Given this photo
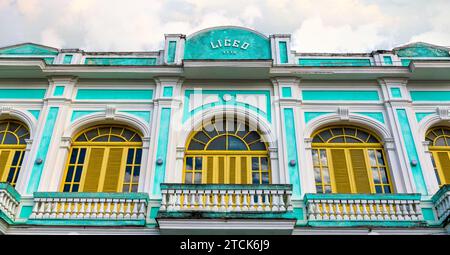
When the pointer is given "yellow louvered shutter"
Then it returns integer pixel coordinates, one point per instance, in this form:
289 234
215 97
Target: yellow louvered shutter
4 156
94 168
340 170
359 168
233 170
210 170
244 170
444 162
221 165
112 172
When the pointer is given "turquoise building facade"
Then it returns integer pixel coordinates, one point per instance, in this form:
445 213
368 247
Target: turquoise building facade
225 131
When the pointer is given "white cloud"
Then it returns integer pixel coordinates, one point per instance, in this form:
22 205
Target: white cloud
316 25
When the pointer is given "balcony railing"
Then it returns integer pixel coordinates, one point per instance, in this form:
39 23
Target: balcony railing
9 201
441 202
89 206
363 207
225 198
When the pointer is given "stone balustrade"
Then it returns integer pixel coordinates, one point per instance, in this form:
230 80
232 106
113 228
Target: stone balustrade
9 201
441 202
362 207
99 206
226 198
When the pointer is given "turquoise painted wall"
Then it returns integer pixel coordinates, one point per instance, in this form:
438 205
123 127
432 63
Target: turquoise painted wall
213 44
336 95
333 62
28 49
114 94
311 115
167 91
67 59
47 135
286 92
396 93
145 115
121 61
35 113
22 93
291 144
161 152
76 114
430 95
421 115
387 60
374 115
59 91
411 151
221 102
171 51
283 52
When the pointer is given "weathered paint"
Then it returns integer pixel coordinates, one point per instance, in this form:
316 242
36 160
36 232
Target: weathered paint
290 131
340 95
161 152
114 94
22 93
47 135
411 151
422 50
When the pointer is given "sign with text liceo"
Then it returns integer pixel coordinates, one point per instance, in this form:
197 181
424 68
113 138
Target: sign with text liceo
227 43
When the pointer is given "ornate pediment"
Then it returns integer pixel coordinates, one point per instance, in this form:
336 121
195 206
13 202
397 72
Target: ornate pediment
421 49
28 49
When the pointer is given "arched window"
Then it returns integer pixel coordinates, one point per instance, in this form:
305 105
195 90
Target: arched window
439 139
104 159
226 152
349 160
12 149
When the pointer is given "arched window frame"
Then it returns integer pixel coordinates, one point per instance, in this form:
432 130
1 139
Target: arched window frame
12 154
440 153
256 157
371 146
82 141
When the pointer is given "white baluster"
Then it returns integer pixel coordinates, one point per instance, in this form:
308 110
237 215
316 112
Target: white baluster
142 209
338 210
245 202
344 210
87 212
215 200
163 200
82 210
135 203
128 203
230 200
331 211
365 212
237 200
222 200
208 200
351 209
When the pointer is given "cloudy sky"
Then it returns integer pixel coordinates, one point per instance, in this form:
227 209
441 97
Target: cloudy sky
135 25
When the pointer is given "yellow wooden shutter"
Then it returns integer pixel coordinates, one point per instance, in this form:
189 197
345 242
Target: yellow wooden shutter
244 170
444 162
233 170
94 167
4 156
210 170
359 168
221 165
340 170
113 168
